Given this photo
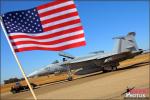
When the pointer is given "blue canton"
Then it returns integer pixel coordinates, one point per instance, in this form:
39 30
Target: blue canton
25 21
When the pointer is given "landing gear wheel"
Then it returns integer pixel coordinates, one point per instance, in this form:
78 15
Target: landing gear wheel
114 68
104 71
14 91
70 78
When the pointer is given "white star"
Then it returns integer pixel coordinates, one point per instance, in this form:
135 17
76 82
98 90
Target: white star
13 16
26 14
20 15
20 28
28 11
16 13
27 19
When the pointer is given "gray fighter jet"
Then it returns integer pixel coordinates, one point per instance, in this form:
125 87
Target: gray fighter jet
126 47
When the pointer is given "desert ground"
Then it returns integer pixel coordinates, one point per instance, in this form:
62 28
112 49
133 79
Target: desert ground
131 73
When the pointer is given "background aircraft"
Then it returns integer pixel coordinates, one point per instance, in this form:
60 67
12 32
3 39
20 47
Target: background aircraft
126 47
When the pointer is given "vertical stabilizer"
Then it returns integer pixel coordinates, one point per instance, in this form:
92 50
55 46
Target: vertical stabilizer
126 43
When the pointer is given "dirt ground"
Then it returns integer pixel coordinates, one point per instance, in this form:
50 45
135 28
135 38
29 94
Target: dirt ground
131 73
109 86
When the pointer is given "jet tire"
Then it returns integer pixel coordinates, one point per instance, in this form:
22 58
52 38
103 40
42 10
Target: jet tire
70 78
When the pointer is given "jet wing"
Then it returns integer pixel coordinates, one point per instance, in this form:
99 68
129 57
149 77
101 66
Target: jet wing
96 60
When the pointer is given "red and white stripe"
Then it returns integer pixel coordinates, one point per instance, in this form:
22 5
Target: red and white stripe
62 29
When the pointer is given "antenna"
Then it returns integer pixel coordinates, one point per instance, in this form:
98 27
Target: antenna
64 54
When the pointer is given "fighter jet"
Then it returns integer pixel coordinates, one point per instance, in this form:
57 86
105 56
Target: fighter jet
126 48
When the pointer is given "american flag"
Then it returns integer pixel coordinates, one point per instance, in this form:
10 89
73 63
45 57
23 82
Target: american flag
53 26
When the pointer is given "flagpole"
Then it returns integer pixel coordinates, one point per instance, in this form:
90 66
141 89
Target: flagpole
16 58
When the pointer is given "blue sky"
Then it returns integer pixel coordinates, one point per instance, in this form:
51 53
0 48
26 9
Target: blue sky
102 20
